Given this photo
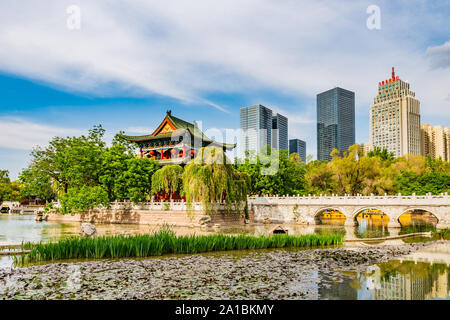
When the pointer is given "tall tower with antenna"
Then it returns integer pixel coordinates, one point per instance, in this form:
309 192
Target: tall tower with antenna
395 118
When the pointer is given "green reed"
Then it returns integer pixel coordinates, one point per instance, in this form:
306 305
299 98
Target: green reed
164 242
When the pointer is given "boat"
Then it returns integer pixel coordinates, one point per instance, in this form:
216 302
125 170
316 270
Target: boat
4 209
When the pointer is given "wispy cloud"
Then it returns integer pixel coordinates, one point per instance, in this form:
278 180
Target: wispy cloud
191 49
439 55
22 134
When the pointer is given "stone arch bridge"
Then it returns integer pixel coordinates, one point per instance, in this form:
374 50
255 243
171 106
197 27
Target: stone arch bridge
304 209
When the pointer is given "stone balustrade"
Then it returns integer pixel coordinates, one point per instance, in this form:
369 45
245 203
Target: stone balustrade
305 209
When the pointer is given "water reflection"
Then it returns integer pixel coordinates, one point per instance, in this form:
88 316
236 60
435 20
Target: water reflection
420 276
417 218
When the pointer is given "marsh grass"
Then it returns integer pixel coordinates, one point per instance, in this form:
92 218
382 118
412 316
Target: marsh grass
162 242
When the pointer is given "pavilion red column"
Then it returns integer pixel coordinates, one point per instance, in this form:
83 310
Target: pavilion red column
141 153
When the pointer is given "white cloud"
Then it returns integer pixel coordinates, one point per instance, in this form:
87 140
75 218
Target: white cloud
189 49
21 134
439 55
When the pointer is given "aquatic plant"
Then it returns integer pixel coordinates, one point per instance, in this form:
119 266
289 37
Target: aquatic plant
162 242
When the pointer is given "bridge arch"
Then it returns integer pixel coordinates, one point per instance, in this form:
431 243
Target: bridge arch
424 209
331 212
321 209
356 212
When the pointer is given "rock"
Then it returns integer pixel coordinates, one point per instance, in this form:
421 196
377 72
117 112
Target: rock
267 221
204 220
88 230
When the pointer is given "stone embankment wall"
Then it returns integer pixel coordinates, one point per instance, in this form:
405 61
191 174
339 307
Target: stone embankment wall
175 213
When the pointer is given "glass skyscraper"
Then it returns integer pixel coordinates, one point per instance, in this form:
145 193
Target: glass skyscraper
298 146
280 132
335 121
256 126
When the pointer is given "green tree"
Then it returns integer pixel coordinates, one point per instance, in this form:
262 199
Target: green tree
83 199
433 182
274 172
212 179
36 183
5 186
135 183
168 179
382 153
319 177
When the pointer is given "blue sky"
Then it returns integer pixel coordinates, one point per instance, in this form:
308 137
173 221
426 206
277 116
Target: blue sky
131 61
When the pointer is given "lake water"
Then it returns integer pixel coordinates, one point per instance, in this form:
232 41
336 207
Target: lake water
423 275
15 229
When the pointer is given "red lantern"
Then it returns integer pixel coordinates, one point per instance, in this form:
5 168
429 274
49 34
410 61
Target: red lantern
152 153
173 151
192 152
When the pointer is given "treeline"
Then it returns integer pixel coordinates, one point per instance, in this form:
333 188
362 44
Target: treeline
9 190
351 173
83 172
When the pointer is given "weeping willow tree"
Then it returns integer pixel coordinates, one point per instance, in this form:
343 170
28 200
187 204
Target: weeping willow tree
168 179
212 179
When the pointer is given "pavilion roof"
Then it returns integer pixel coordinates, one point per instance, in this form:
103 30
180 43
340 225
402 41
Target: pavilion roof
179 127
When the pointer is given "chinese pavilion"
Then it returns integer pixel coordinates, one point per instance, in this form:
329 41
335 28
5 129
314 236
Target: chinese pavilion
175 141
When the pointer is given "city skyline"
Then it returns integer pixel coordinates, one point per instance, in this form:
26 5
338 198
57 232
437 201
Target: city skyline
166 65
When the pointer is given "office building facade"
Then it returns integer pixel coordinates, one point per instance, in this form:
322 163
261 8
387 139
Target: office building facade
298 146
256 128
395 118
280 132
335 121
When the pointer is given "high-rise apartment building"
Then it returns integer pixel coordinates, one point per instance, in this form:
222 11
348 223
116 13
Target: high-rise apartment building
256 126
298 146
435 141
395 118
365 148
280 132
335 121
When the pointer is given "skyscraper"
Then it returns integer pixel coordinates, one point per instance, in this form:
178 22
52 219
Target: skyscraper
335 121
395 118
280 132
298 146
434 141
256 126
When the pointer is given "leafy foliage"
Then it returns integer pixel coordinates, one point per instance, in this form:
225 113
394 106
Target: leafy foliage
168 179
83 199
9 190
82 167
211 178
274 172
5 186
